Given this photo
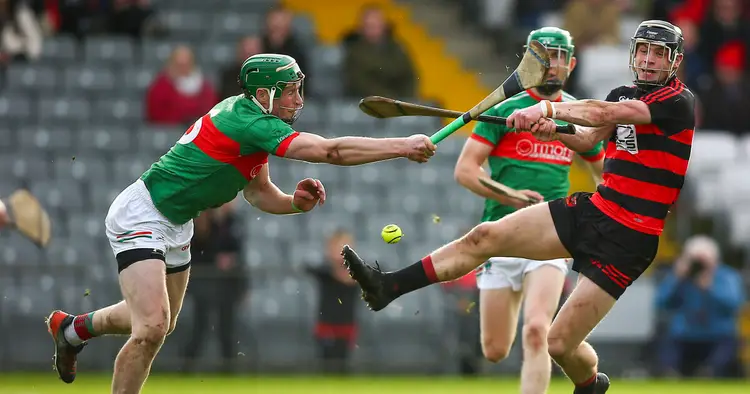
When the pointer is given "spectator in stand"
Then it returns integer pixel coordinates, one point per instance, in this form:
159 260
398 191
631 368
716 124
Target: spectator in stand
75 17
278 37
726 22
725 101
702 297
248 46
463 309
134 18
20 32
375 63
219 283
591 23
180 93
336 326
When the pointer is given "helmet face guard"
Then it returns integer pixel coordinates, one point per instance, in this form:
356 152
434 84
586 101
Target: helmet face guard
650 34
561 42
554 85
272 73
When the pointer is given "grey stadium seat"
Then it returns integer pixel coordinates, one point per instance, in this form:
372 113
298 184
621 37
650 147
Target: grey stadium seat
117 50
25 77
59 50
90 79
66 196
64 108
106 138
185 24
231 25
119 110
39 138
14 107
84 168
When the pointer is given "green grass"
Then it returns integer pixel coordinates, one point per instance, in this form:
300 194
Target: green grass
178 384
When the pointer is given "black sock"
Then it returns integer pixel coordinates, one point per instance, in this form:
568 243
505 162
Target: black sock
416 276
586 387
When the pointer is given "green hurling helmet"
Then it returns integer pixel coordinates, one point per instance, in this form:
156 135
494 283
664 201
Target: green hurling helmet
554 38
272 72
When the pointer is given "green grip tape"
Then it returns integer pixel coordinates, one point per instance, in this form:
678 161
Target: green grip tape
447 130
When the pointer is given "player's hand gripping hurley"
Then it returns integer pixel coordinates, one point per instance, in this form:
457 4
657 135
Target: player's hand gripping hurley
531 72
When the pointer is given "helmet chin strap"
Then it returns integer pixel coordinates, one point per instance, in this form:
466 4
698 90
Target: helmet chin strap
265 110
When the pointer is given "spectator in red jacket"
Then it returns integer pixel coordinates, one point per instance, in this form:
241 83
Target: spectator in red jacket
180 93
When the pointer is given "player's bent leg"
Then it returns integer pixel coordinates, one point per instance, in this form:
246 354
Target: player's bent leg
499 282
542 288
499 304
115 319
528 233
144 287
498 315
587 305
177 282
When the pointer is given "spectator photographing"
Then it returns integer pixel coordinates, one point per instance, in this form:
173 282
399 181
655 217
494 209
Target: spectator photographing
703 297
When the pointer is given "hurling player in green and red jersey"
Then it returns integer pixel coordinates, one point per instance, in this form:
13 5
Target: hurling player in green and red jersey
150 224
539 170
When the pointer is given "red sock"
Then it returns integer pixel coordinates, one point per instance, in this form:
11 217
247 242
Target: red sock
416 276
84 326
589 382
429 269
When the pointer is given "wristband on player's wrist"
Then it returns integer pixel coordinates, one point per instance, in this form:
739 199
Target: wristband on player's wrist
548 109
295 209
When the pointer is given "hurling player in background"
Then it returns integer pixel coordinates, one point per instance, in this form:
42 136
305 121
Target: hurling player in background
539 170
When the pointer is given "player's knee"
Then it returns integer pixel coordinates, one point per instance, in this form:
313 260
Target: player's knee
151 332
493 350
480 240
535 335
556 347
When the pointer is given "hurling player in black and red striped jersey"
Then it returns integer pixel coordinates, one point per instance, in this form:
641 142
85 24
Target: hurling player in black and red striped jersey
612 234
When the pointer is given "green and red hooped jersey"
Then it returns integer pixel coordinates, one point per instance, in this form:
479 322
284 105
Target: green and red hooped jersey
216 158
520 161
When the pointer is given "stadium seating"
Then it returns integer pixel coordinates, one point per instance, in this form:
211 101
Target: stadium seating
73 133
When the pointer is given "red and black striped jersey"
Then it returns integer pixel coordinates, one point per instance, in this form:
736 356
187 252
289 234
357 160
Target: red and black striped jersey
645 164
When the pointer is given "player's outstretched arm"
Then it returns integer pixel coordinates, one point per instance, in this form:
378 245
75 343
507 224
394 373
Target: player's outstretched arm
351 151
469 169
266 196
597 113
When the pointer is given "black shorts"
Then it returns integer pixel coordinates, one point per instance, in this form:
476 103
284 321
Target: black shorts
605 251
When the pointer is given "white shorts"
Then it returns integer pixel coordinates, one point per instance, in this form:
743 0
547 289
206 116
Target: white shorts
502 272
138 231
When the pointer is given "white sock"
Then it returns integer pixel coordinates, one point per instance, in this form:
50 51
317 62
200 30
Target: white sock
71 336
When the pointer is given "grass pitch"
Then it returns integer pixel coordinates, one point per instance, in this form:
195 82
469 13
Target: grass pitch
179 384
